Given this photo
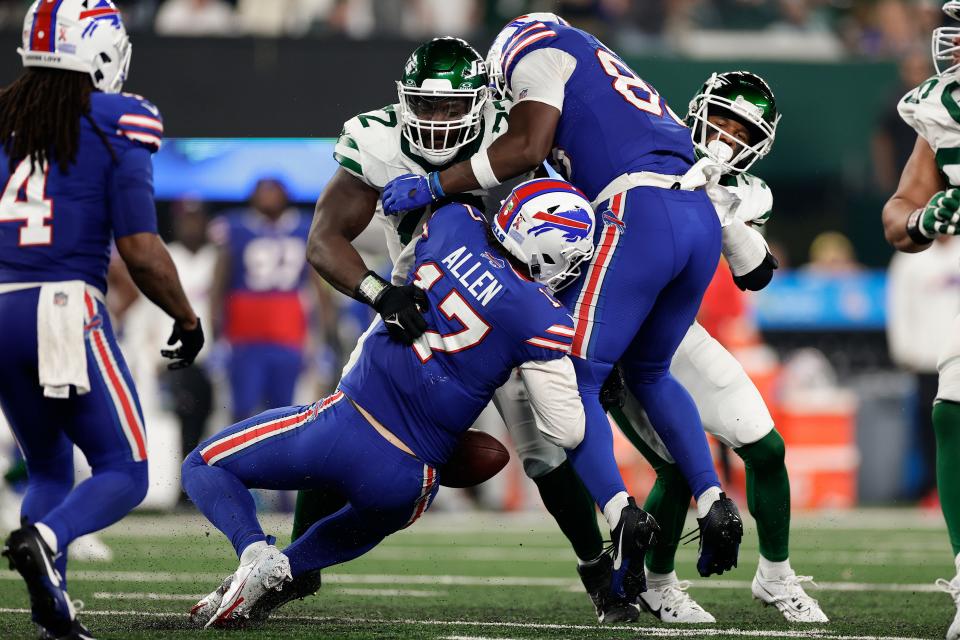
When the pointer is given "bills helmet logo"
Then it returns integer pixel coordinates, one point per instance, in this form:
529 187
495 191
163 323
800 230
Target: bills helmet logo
575 224
610 219
104 11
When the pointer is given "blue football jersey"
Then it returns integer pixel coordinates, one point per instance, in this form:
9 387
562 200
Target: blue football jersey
613 122
268 267
57 226
484 320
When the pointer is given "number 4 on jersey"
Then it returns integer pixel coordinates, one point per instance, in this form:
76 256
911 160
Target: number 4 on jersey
24 200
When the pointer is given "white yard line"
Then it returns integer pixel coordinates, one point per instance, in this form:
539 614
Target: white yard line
660 632
457 580
193 597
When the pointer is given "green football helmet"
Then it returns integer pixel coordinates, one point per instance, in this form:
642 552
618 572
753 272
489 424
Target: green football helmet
442 94
745 97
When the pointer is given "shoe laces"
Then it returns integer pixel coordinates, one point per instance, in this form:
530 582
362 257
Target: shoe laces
675 596
794 589
951 587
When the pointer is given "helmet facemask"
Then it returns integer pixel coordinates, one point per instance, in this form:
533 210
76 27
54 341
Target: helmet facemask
762 132
438 120
945 45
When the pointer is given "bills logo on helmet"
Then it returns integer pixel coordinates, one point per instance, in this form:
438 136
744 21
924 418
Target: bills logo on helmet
575 224
103 12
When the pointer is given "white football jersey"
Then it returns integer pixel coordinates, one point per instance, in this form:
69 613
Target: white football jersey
372 148
753 200
932 109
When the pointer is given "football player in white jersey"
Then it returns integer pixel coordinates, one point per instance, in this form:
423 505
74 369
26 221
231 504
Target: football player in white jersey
443 116
733 120
926 205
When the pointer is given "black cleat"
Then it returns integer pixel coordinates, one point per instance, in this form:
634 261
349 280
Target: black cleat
300 587
720 533
611 608
77 632
33 560
636 532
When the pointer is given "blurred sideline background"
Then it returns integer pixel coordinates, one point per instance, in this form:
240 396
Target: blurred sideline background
254 92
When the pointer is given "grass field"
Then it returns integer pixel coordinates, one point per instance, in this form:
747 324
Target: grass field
492 576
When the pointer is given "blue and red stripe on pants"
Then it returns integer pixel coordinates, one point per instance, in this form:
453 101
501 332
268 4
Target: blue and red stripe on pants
657 250
326 444
106 424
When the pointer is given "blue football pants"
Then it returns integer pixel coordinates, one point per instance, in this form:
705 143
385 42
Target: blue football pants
106 424
327 444
656 252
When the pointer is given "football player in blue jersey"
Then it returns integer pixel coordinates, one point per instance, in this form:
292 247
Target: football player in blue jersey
611 134
400 409
76 170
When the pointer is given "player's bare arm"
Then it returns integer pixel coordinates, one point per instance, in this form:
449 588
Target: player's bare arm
919 182
344 210
156 276
523 148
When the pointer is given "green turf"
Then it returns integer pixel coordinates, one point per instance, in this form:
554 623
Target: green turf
440 568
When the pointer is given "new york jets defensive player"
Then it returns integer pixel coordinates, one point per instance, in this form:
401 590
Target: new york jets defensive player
733 120
926 205
443 116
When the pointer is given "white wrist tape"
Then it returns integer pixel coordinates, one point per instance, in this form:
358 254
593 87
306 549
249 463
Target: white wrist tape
743 247
480 163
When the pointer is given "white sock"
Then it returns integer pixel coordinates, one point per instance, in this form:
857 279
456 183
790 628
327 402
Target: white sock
251 551
611 510
706 500
774 570
48 536
657 580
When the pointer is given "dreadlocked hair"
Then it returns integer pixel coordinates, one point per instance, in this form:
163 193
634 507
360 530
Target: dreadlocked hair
40 116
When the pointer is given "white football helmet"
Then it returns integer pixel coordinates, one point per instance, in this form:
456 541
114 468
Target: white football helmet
946 42
78 35
548 225
495 55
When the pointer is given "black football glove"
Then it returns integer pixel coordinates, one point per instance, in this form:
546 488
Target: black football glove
401 308
191 341
613 393
760 276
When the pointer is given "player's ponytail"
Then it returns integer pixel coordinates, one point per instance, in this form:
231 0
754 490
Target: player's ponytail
40 116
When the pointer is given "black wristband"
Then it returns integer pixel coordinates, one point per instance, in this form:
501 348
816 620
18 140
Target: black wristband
913 229
371 288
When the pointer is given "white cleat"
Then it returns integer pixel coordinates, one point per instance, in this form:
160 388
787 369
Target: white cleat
788 596
267 572
202 612
953 588
673 605
90 548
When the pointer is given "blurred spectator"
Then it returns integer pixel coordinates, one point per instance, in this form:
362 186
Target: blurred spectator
429 18
831 253
279 17
923 297
255 298
196 18
195 257
894 139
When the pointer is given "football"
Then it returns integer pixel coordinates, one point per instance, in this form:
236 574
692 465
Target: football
477 457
